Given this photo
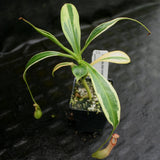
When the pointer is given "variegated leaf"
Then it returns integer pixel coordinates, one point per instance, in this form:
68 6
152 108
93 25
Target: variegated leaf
79 71
105 26
70 26
48 35
107 96
60 65
118 57
39 57
43 55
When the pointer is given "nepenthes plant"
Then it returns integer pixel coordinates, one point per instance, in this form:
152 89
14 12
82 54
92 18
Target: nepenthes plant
81 69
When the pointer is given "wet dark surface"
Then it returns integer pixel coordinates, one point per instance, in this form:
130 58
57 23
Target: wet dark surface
137 84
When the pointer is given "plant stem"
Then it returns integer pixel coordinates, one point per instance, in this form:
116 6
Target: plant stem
106 140
24 77
86 87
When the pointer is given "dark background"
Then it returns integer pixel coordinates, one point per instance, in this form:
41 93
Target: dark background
45 14
137 84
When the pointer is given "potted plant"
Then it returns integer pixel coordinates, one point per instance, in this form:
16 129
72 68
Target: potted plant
106 94
85 114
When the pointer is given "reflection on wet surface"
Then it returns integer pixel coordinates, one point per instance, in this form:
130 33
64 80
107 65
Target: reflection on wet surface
137 84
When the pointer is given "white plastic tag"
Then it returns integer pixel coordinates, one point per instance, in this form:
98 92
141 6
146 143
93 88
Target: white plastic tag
101 67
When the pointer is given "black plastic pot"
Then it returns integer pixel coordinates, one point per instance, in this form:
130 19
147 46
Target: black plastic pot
84 120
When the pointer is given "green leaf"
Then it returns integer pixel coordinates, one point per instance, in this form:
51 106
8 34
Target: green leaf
105 26
43 55
39 57
48 35
70 26
107 96
79 71
63 64
118 57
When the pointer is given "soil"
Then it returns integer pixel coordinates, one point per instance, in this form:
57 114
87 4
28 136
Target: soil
80 101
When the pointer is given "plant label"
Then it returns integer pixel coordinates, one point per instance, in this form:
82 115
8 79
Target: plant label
101 67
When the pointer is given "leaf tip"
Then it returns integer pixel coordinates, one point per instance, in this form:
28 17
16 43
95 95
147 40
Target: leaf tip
53 74
20 18
149 33
23 19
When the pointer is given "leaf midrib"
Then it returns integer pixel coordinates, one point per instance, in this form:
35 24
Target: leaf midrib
107 97
72 26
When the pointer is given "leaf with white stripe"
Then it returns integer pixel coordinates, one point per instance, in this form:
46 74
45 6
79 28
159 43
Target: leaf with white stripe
105 26
60 65
48 35
118 57
41 56
70 26
37 58
107 96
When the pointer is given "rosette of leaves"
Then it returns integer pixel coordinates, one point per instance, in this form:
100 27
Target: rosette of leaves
70 24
